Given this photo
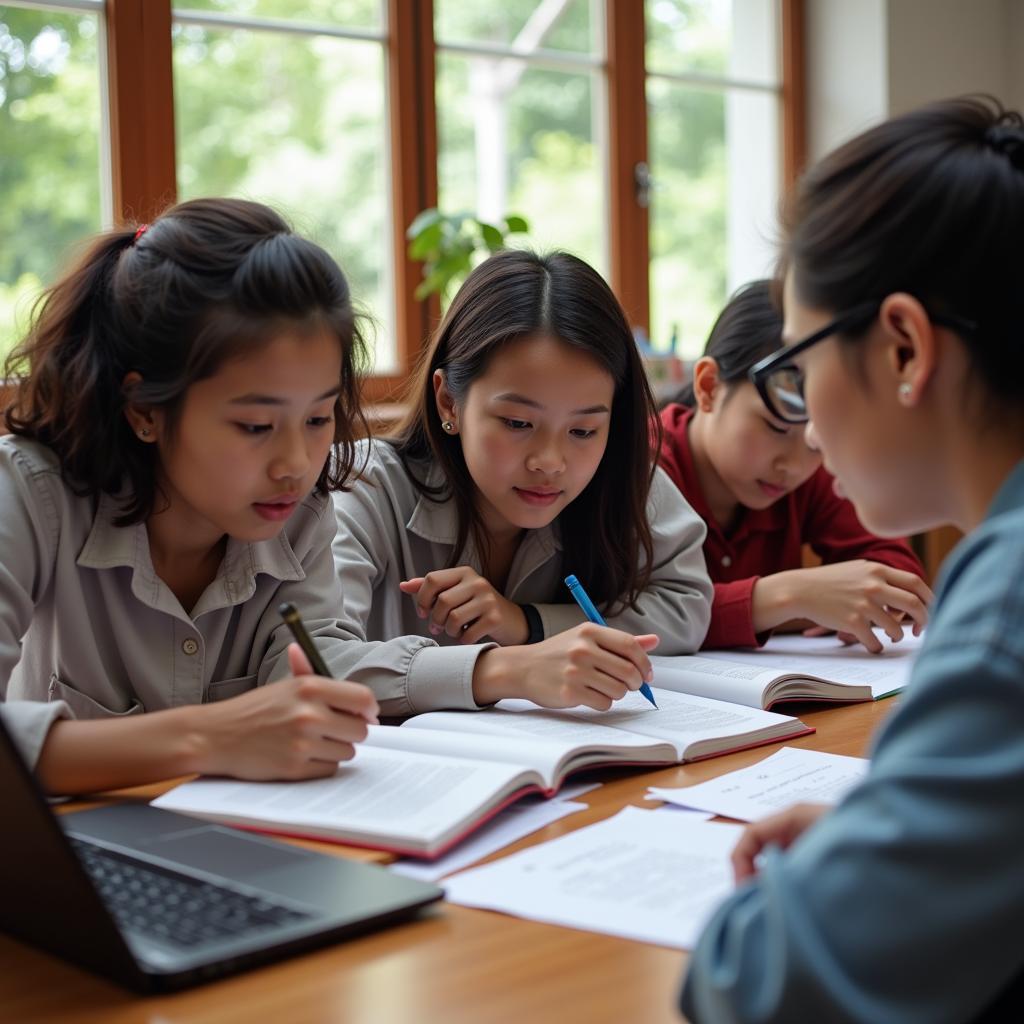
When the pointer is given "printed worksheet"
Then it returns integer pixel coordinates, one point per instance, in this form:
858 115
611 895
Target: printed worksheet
789 776
645 875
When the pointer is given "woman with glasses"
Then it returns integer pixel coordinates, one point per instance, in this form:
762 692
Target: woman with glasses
764 494
903 310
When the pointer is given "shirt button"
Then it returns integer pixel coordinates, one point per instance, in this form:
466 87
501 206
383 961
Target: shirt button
726 561
189 646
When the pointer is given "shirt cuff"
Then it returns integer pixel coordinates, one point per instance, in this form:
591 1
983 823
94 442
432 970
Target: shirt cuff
557 618
442 678
732 616
29 722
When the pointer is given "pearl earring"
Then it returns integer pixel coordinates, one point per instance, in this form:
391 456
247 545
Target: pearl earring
905 391
447 426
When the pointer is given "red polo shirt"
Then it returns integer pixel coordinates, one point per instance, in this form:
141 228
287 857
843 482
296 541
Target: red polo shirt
768 541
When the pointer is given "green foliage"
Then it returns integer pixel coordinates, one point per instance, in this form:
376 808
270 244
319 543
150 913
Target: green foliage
300 122
448 245
49 153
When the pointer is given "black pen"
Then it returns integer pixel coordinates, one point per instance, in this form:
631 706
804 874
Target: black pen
290 614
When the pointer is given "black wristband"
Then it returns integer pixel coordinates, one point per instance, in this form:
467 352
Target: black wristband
534 624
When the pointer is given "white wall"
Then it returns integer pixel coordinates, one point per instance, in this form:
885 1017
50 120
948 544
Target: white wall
867 59
847 70
940 48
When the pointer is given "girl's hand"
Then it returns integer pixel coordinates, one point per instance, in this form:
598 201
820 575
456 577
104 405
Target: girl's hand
778 830
848 597
461 603
298 728
589 665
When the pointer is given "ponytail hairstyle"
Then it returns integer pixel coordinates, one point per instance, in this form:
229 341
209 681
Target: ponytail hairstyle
748 329
209 280
930 203
515 295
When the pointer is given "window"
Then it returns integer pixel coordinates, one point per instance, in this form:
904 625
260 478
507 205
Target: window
293 113
51 161
520 111
714 96
352 116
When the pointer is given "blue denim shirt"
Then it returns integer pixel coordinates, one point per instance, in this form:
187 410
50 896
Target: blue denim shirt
905 903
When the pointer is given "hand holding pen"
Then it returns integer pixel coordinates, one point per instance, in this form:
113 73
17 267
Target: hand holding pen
589 609
590 665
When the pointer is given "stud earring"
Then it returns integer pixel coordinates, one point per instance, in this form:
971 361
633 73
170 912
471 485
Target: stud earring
144 432
447 426
905 391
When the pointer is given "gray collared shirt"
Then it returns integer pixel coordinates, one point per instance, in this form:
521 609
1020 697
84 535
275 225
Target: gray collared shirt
388 532
88 630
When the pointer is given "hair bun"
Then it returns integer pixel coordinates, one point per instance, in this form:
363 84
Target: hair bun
1007 139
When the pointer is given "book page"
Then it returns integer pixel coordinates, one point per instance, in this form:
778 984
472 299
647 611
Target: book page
521 751
789 776
543 736
742 676
829 658
395 796
735 683
680 719
654 876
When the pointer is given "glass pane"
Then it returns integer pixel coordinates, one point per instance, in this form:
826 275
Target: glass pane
361 14
714 159
50 167
733 38
515 139
570 25
297 122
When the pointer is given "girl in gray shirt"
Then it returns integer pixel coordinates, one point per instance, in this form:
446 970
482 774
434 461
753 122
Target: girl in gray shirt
526 457
163 489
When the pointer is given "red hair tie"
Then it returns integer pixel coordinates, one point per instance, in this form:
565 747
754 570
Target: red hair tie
139 232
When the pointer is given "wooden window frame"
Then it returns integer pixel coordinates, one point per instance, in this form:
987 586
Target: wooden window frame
141 104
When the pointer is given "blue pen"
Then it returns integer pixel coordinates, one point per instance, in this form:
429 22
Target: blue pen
583 600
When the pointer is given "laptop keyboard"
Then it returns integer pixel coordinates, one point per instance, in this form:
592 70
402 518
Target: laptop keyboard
175 908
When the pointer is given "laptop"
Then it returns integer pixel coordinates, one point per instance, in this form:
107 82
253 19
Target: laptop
159 901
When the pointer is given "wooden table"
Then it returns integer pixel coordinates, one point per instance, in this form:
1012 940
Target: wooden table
454 966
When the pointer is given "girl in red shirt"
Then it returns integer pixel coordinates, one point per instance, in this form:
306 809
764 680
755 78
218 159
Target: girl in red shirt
764 494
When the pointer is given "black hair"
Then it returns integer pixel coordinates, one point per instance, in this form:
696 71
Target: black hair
748 329
930 203
518 294
172 301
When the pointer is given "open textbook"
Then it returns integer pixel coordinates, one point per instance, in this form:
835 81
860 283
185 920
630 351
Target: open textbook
791 668
420 787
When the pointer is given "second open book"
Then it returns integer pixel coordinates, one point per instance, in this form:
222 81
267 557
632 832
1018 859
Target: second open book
792 668
420 787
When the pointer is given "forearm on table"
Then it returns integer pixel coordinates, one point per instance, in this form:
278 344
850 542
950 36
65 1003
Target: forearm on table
89 756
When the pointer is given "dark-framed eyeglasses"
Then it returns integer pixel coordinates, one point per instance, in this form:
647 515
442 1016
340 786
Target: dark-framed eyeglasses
780 382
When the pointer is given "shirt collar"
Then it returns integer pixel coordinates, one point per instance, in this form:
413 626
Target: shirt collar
1010 495
109 546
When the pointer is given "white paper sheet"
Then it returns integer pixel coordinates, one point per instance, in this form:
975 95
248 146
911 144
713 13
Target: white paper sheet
788 777
644 875
511 824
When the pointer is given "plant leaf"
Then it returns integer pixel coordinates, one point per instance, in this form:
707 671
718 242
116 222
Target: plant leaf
426 242
493 238
424 219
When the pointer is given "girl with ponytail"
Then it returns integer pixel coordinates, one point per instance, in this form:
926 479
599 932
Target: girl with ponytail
164 487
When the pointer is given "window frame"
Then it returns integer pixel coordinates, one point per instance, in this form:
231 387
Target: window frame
140 99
